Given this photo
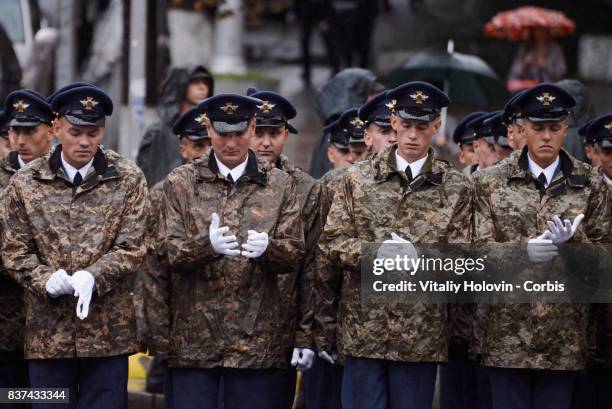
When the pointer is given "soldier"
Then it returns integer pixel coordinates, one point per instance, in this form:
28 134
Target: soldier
271 133
72 234
28 117
513 122
354 127
601 129
232 225
30 122
500 134
378 133
5 146
391 352
154 281
484 142
533 351
463 135
590 145
338 150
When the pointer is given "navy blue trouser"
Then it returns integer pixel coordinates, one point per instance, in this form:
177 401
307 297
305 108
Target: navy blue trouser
383 384
13 374
593 389
531 388
322 385
198 388
94 383
463 383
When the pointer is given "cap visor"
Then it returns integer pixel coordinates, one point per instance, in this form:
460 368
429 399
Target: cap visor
25 123
197 137
224 127
354 141
424 118
538 119
341 146
291 128
606 143
503 142
382 123
75 120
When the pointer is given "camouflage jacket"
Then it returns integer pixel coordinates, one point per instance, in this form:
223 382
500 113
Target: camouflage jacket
11 294
155 279
373 200
297 289
226 311
508 209
98 227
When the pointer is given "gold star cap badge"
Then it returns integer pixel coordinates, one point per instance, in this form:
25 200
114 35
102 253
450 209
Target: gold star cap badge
357 123
229 108
89 103
266 107
419 97
201 119
20 105
545 99
391 105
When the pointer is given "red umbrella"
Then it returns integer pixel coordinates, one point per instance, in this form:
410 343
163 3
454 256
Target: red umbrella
517 24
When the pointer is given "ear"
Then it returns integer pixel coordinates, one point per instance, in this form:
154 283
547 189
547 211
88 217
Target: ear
437 123
183 148
330 154
367 138
394 122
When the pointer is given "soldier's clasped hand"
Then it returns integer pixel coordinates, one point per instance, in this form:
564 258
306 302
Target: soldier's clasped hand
256 244
83 283
59 284
222 244
560 232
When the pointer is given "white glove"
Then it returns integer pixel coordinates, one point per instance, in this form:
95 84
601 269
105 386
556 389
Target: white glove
563 231
59 284
256 244
303 358
541 248
83 283
222 244
396 246
327 357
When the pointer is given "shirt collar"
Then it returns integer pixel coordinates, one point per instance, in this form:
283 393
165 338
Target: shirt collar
549 171
607 180
71 171
21 162
236 173
415 167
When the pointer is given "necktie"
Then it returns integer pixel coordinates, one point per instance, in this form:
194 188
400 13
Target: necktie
78 179
230 178
542 183
409 173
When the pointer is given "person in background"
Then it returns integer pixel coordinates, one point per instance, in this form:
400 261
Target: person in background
354 127
5 145
500 134
463 135
378 133
484 142
183 88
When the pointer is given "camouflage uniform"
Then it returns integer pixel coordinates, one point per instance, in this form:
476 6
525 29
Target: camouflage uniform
299 303
508 209
423 211
11 294
98 227
226 311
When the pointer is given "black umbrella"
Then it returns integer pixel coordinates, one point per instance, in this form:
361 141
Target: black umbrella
467 79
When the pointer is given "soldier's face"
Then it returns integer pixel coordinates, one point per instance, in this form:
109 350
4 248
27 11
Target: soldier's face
5 146
413 136
356 151
467 156
340 158
32 142
516 138
379 137
231 148
197 91
592 154
485 152
605 158
269 142
544 140
79 143
191 150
